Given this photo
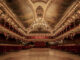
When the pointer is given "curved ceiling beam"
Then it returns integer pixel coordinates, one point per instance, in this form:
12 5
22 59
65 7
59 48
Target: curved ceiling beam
32 7
47 6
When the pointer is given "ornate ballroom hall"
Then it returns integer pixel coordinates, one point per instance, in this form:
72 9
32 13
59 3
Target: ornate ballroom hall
39 29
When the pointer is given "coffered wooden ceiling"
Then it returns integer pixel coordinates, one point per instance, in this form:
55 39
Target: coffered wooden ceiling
25 10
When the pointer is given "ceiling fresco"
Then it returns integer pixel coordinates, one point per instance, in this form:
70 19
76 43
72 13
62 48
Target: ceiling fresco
27 11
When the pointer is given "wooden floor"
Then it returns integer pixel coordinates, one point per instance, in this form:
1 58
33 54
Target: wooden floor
39 54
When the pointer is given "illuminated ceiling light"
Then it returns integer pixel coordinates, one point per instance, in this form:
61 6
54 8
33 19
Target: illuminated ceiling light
39 22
